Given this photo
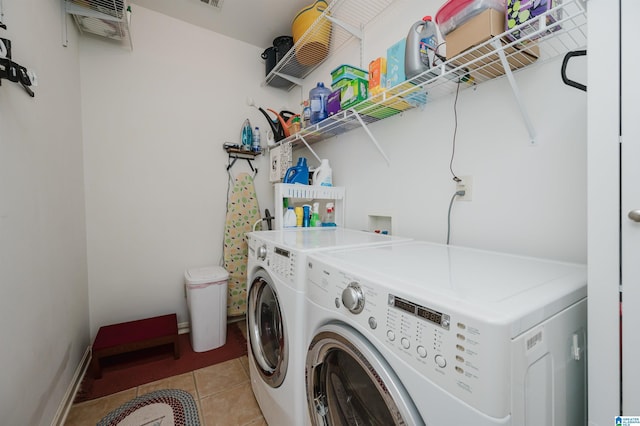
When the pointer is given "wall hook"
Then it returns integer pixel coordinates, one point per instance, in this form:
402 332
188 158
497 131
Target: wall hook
13 71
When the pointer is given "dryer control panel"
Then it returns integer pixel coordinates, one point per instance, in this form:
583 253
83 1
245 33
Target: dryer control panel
286 264
435 337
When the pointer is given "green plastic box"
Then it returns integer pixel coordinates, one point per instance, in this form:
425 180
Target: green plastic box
353 93
348 72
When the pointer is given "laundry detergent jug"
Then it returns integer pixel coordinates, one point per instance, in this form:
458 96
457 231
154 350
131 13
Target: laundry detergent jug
322 175
422 43
298 173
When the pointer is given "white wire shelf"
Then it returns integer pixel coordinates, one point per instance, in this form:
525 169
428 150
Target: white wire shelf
341 20
542 42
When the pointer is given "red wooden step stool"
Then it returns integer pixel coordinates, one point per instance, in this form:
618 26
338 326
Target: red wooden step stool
132 336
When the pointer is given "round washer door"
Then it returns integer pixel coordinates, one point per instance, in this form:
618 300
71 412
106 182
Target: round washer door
266 329
350 383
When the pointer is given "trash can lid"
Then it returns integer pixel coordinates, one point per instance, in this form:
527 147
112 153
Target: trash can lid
208 274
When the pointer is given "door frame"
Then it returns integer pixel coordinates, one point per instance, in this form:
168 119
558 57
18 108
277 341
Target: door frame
603 210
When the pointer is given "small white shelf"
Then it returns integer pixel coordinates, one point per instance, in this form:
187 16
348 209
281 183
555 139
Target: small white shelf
482 63
307 194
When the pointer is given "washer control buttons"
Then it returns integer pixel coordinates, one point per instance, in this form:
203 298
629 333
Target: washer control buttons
391 335
373 323
422 351
441 361
405 343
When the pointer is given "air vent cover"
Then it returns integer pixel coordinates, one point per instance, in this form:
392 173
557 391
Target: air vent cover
105 18
215 3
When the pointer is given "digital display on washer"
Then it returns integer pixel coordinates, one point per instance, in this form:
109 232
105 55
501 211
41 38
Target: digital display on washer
404 305
425 313
281 252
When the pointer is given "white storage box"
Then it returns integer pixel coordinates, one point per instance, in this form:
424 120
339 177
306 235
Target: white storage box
207 302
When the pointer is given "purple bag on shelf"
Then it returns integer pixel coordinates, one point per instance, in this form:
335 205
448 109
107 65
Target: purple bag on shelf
333 103
521 11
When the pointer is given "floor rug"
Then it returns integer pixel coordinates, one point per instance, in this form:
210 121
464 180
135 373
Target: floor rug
126 371
167 407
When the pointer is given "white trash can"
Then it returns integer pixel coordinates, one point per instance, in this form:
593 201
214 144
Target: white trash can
207 302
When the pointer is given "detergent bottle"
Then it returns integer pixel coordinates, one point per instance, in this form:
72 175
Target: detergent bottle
322 175
289 220
298 173
422 42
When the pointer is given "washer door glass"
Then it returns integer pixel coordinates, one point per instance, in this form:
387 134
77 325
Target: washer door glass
349 383
266 330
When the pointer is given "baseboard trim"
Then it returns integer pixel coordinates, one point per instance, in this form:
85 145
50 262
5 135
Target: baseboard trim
63 410
183 327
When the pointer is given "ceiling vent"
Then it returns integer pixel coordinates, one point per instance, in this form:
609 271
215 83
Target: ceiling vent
215 3
105 18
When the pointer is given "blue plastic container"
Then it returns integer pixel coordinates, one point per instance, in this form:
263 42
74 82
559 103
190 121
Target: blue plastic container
318 97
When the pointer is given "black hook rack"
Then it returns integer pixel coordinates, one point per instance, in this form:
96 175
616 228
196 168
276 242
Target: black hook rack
236 154
13 71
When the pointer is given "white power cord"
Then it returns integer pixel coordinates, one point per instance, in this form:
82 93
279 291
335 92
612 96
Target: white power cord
456 194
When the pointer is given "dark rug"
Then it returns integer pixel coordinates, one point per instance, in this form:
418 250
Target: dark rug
164 407
126 371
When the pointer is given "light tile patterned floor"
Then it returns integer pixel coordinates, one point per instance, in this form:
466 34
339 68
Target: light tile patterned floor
222 392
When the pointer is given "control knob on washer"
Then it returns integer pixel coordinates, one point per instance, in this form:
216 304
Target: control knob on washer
353 298
261 253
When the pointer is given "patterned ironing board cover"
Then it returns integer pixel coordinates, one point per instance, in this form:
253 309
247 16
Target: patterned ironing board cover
243 212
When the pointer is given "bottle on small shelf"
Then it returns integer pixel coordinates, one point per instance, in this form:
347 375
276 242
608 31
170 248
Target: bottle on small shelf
289 220
329 218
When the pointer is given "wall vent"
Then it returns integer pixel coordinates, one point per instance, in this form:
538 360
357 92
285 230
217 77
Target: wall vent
215 3
105 18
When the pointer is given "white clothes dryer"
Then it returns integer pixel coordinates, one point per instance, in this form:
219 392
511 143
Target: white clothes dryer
420 333
275 312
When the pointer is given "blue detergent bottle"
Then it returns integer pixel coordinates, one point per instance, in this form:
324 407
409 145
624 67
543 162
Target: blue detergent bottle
298 173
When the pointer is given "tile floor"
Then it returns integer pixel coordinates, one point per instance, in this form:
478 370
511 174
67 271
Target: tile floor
222 392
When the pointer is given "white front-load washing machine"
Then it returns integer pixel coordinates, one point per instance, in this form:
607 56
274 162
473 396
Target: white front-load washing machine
420 333
275 313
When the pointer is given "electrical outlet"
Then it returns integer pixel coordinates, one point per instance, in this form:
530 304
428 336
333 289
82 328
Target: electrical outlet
466 185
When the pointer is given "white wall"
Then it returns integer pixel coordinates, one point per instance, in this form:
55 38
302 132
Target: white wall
43 276
526 199
155 119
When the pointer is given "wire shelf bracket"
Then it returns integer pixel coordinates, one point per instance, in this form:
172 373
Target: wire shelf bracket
516 91
309 148
357 32
294 80
371 137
